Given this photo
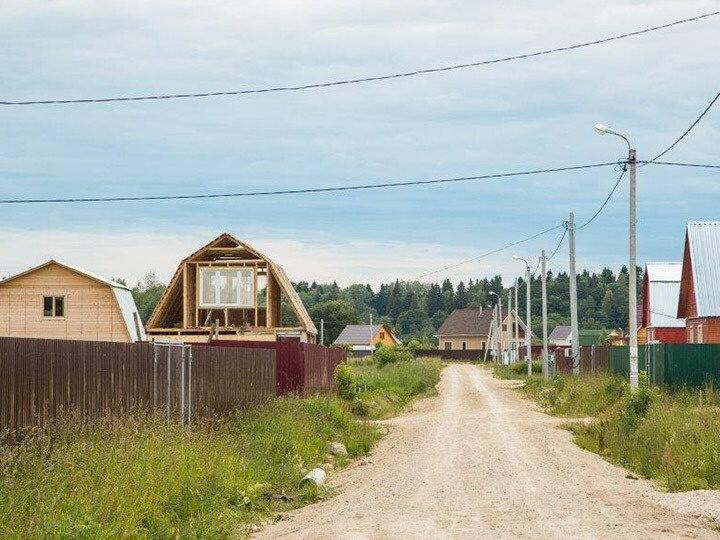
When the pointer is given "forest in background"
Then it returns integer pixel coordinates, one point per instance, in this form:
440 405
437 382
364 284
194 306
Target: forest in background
415 310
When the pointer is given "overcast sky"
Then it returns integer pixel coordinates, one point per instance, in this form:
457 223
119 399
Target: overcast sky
514 116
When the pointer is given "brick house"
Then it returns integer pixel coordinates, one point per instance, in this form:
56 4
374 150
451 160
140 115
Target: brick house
699 299
661 289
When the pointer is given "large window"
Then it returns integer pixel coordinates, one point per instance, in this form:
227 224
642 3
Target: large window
53 306
227 287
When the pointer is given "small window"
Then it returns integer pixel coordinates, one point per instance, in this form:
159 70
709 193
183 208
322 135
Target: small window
699 333
504 327
448 346
53 306
464 345
382 335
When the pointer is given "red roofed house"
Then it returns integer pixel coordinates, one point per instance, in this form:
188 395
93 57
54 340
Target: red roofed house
699 301
661 288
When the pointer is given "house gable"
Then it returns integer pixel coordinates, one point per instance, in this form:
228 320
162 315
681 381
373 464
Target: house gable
179 309
687 305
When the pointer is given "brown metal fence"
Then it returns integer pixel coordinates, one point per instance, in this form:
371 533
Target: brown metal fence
593 359
41 379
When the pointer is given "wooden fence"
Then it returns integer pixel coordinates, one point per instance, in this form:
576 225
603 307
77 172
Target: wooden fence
41 379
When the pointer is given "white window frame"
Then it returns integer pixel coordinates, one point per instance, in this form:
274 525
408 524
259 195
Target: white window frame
240 270
699 333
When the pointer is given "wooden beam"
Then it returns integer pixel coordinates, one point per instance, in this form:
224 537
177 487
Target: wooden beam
185 296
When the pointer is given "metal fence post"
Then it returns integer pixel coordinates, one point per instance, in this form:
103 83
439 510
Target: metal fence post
167 397
189 405
182 387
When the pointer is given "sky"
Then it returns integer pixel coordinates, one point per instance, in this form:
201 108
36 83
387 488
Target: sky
514 116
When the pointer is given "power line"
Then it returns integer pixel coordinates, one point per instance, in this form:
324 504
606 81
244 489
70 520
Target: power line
492 252
304 190
366 79
557 248
688 130
607 199
680 164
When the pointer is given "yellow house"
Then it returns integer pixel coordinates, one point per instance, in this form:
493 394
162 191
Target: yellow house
59 301
363 337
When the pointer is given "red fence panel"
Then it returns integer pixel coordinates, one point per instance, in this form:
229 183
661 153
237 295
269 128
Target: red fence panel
301 367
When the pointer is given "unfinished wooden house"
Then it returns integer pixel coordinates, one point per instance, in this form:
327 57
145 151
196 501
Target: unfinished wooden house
229 290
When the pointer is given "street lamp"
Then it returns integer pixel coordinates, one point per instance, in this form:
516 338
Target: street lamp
528 316
498 315
632 245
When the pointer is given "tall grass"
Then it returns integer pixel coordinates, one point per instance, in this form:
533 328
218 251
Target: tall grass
382 391
141 478
670 436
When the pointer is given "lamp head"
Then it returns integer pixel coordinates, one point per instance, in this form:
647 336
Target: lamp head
602 129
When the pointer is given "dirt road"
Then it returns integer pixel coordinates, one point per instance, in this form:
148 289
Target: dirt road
481 462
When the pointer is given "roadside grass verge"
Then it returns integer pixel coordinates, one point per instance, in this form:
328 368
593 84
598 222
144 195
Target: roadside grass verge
382 391
140 478
671 436
518 370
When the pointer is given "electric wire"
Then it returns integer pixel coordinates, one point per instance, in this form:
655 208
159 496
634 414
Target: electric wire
303 190
559 244
341 82
688 130
491 252
607 199
680 164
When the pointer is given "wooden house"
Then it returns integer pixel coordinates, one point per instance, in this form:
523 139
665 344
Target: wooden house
363 338
229 290
472 328
59 301
699 298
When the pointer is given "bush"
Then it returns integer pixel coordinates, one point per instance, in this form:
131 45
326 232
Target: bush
346 381
389 355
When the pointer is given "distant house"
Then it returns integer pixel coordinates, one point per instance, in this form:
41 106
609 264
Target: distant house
230 290
561 336
699 298
363 338
56 300
661 290
471 328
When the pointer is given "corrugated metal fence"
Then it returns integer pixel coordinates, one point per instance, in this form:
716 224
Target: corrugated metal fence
41 379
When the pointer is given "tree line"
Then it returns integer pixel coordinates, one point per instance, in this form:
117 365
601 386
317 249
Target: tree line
416 310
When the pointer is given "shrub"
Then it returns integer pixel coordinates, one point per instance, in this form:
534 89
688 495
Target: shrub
346 380
389 355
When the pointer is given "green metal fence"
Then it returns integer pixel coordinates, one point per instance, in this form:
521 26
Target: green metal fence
620 360
685 365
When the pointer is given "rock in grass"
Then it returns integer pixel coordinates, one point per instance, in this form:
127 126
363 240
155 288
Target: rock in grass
338 449
316 476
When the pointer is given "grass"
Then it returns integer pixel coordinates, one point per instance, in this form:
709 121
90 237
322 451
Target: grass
670 436
379 392
140 478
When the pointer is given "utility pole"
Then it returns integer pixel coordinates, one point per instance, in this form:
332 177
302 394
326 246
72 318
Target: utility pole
546 358
517 325
322 331
528 331
500 320
632 271
632 245
510 314
371 333
575 334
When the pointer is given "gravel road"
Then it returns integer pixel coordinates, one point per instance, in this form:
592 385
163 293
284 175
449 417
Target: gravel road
480 461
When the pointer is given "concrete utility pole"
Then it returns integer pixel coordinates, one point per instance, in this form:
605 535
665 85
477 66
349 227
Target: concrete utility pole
632 255
528 316
322 331
546 358
516 329
574 332
371 333
510 314
500 319
493 327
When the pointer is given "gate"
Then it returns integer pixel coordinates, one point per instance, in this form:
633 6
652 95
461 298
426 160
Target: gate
172 380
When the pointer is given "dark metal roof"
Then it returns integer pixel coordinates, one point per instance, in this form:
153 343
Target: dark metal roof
358 334
468 322
560 332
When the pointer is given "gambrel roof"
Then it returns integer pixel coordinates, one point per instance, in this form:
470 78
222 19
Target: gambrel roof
173 294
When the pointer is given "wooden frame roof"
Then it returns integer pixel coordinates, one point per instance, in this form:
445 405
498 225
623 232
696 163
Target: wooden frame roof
226 240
